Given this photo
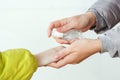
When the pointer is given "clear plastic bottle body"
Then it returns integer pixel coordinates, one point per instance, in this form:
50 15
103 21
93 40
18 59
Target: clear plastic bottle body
69 35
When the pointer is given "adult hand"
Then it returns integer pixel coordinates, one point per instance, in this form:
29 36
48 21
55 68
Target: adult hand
81 22
77 52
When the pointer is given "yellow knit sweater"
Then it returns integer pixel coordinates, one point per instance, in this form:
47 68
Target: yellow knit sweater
17 64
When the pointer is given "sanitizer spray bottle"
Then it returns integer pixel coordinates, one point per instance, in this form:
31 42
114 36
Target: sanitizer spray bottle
69 35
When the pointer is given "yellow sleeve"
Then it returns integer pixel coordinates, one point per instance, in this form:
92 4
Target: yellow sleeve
17 64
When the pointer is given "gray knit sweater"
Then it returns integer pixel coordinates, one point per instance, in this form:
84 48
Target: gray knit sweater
107 16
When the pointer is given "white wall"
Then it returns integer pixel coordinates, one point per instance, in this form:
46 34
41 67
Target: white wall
24 23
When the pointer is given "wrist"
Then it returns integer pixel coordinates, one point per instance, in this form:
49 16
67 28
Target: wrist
92 18
38 59
97 45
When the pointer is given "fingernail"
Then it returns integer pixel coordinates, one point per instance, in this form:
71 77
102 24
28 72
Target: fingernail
57 56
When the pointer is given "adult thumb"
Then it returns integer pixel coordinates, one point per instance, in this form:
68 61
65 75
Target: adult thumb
61 54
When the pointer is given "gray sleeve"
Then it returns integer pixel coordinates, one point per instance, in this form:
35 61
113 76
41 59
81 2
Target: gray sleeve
111 42
107 14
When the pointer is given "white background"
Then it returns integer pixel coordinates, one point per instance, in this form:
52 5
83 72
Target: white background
24 23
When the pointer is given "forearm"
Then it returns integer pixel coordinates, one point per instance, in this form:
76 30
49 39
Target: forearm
107 14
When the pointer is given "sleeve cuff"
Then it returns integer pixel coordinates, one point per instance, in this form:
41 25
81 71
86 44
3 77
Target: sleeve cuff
101 25
108 46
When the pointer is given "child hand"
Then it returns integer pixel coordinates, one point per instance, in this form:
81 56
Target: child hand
47 56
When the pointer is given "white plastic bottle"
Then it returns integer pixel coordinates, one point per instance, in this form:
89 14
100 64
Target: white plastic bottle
69 35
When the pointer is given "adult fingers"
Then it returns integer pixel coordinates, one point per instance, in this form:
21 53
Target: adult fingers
56 24
52 65
65 28
67 60
61 41
53 25
64 52
59 64
73 40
